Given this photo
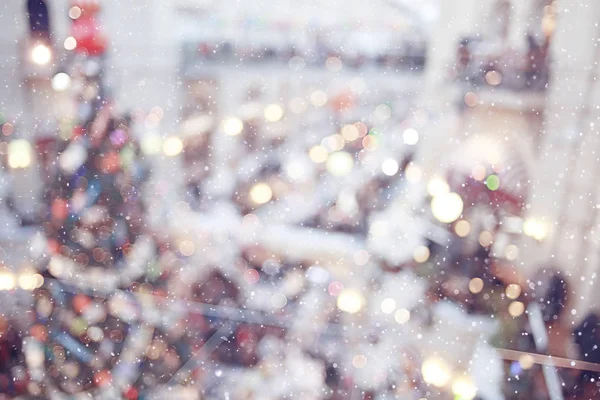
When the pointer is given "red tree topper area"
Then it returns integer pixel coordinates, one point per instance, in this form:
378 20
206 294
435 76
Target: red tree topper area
86 30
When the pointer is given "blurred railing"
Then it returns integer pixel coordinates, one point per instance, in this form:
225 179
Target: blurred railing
482 63
405 56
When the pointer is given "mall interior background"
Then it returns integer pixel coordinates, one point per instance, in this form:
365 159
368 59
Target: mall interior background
482 85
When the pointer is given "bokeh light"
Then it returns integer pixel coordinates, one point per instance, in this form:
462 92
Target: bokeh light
41 54
436 372
492 182
70 43
513 291
535 228
390 167
172 146
318 154
318 98
261 193
516 309
350 301
464 388
410 136
273 112
388 305
402 316
421 254
7 280
475 285
233 126
61 82
493 78
340 163
75 12
151 143
462 228
359 361
447 207
20 153
437 186
350 133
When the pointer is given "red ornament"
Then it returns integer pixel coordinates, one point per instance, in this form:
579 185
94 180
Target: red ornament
89 36
102 378
80 303
60 209
131 393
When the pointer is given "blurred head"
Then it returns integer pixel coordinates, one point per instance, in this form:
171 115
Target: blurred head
551 292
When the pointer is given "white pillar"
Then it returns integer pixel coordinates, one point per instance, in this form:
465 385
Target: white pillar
564 185
521 18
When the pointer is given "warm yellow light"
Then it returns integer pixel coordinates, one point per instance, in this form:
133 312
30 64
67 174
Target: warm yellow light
233 126
447 207
437 186
462 228
273 112
513 291
436 372
486 238
421 254
350 132
388 305
413 173
350 301
475 285
526 361
534 228
19 153
318 154
261 193
172 146
464 388
27 281
39 280
478 172
516 308
511 252
151 143
340 163
41 54
7 281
